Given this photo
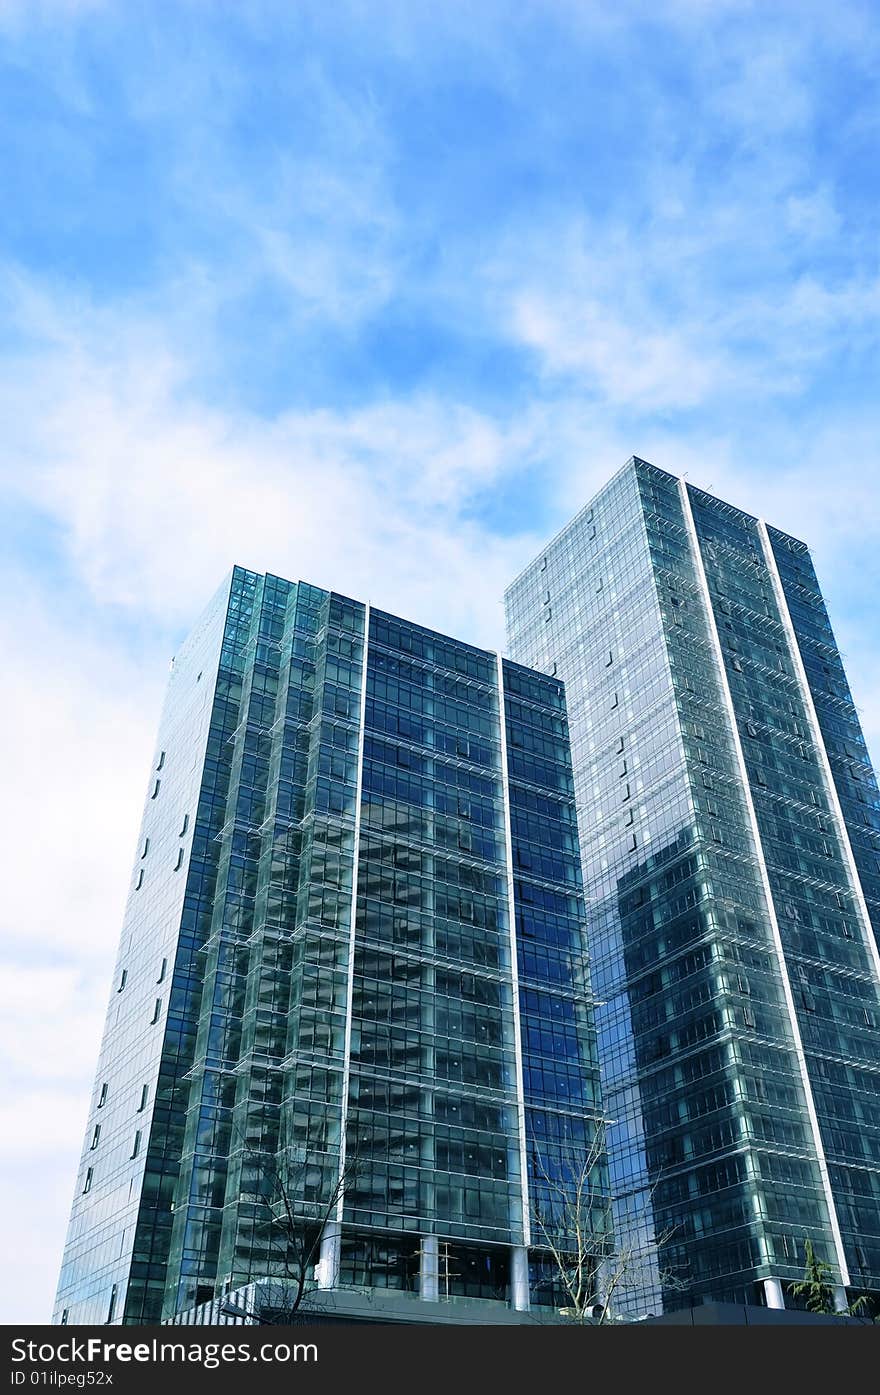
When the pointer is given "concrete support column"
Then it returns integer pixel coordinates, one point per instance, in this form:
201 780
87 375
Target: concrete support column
327 1268
773 1292
429 1269
519 1278
841 1301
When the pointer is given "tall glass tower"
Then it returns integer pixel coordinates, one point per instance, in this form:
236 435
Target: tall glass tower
730 833
355 930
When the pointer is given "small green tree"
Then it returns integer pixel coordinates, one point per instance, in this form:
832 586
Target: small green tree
816 1287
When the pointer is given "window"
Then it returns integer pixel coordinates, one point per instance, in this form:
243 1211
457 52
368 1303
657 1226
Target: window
145 1095
543 566
620 745
610 660
161 761
547 614
123 980
96 1135
136 1146
179 863
87 1184
102 1098
155 789
162 970
140 879
616 702
184 826
157 1011
111 1309
146 847
64 1316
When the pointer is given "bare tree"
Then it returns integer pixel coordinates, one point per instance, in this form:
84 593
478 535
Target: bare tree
296 1194
573 1213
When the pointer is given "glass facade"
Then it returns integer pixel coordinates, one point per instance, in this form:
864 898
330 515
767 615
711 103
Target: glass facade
730 835
370 960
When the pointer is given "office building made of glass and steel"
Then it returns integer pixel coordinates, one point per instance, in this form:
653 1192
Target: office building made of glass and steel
730 833
353 951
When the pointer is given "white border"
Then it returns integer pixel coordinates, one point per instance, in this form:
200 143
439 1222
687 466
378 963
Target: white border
514 966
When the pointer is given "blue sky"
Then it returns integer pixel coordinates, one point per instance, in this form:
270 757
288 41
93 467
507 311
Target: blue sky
378 294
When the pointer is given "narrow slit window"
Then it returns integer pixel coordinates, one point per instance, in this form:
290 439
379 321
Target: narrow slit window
145 1095
102 1098
123 980
162 970
96 1136
87 1183
157 1011
155 789
136 1146
140 879
161 761
179 863
184 826
146 847
111 1307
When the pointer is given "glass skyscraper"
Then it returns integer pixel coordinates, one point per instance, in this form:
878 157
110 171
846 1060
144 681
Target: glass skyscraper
355 931
730 834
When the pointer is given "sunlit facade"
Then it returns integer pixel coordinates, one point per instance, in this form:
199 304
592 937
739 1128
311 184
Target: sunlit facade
730 833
